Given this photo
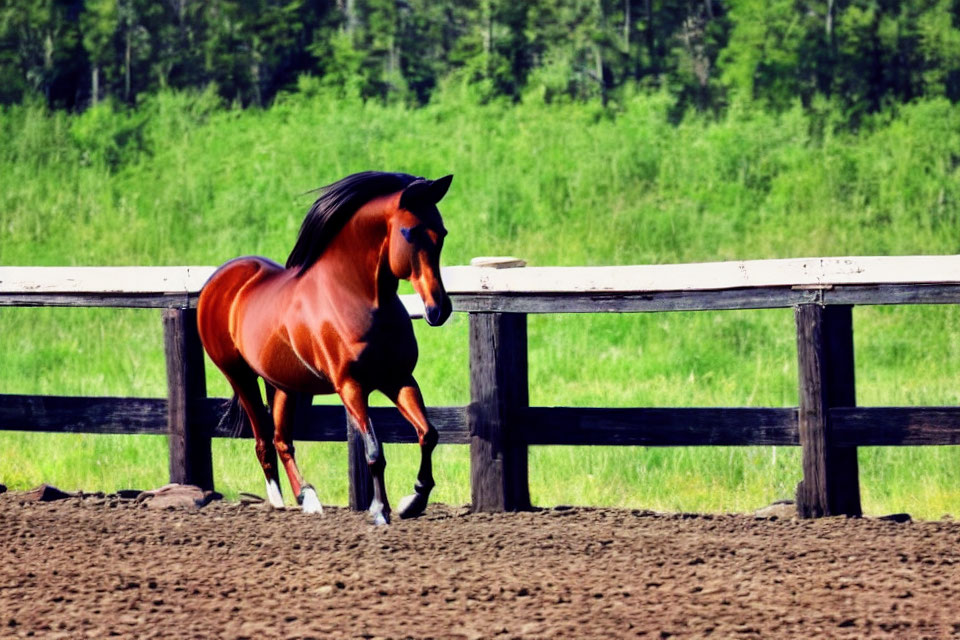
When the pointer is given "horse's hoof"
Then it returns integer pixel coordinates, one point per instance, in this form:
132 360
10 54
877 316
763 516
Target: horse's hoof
412 506
273 494
381 518
310 501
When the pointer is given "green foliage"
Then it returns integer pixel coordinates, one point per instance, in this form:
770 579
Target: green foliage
345 76
938 42
106 137
866 54
761 58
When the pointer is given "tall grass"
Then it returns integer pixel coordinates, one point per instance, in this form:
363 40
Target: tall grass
183 180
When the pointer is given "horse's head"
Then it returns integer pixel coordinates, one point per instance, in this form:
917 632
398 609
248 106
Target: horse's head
415 240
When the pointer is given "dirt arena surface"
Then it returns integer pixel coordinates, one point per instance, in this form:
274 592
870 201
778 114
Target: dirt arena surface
98 567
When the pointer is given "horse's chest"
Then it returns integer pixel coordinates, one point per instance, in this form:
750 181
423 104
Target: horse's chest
386 351
392 344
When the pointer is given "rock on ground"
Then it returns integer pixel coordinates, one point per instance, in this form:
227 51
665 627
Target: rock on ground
177 496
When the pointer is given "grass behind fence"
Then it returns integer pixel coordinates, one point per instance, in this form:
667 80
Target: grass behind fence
183 181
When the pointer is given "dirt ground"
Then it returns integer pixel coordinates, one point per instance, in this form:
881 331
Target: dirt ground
98 567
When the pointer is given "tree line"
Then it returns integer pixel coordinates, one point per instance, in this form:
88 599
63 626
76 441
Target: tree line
860 55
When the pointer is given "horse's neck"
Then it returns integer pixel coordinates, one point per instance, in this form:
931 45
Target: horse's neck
357 255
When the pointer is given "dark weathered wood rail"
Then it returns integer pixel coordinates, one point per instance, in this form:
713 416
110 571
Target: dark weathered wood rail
498 424
701 426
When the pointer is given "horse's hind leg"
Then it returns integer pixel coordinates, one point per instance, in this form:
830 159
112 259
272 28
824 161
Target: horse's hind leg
248 392
410 403
286 409
355 400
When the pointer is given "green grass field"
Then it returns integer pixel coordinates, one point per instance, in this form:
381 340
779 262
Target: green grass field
185 181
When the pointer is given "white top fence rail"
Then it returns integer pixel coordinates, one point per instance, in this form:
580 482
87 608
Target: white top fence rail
762 283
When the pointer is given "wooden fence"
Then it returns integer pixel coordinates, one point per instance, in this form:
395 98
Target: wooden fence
499 424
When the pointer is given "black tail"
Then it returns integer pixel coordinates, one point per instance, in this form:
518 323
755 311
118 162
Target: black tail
235 422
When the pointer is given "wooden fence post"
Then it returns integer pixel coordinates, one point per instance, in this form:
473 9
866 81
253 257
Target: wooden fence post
189 438
830 484
360 480
498 390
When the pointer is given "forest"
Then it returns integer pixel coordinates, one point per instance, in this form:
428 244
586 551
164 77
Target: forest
853 56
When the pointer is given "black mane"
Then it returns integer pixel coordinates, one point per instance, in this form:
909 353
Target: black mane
335 206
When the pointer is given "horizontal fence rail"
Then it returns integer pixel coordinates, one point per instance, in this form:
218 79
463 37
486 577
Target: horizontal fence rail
499 424
324 423
701 426
751 284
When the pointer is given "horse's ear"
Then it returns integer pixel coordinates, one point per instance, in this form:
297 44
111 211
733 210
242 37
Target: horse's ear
415 193
421 192
439 188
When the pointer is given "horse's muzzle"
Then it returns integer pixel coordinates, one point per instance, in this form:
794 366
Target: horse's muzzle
437 315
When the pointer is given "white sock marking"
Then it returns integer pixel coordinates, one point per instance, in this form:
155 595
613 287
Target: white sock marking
376 510
311 503
405 502
273 494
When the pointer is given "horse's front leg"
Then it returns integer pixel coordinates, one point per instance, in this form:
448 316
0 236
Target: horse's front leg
409 401
355 400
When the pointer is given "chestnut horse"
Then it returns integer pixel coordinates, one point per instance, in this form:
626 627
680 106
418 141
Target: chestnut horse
331 322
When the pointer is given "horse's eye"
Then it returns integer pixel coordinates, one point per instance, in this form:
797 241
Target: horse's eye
408 233
416 235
